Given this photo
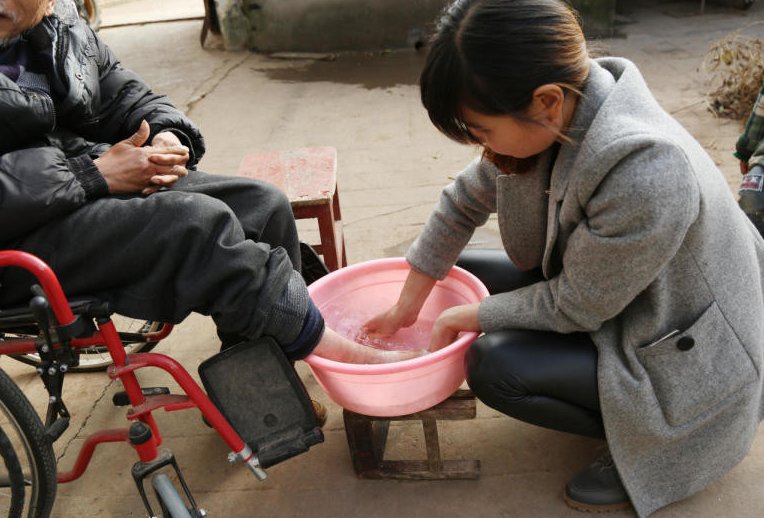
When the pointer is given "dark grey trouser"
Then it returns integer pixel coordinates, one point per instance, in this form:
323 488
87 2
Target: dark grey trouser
543 378
217 245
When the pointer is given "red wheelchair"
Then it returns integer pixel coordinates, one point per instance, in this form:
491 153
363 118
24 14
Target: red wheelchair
251 397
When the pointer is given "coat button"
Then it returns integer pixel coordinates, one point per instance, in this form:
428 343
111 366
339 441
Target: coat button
78 75
685 343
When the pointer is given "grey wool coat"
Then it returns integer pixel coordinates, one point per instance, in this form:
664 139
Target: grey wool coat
642 245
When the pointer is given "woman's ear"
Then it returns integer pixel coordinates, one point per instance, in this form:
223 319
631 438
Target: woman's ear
51 6
546 104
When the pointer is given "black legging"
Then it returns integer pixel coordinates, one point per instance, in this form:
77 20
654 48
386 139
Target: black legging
543 378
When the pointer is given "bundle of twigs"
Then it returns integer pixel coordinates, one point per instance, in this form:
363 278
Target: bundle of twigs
736 67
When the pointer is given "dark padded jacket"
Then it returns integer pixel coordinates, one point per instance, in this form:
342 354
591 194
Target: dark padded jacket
48 141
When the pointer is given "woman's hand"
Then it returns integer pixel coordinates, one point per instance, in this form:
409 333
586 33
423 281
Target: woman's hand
404 313
452 322
389 322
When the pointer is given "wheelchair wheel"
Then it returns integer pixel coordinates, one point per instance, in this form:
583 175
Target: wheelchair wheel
96 358
28 468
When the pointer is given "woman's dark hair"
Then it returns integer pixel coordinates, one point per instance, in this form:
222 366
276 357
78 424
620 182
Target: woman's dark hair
491 55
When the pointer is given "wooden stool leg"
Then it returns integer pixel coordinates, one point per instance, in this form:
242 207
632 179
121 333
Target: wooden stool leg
367 439
340 235
326 229
432 442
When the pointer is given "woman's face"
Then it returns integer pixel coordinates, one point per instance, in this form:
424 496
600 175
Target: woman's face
508 135
543 123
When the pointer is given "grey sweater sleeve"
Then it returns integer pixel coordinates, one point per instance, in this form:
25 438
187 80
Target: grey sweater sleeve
464 205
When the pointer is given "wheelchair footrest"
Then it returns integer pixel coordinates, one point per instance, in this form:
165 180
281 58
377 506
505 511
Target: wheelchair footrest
258 391
286 445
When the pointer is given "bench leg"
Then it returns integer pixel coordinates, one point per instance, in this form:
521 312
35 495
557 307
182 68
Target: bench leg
340 237
331 247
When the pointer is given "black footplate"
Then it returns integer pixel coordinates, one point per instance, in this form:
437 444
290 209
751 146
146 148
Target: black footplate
258 391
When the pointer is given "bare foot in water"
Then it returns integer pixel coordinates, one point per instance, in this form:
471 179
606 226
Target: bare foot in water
338 348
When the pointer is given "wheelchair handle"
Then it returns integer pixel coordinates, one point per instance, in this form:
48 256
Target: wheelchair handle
46 278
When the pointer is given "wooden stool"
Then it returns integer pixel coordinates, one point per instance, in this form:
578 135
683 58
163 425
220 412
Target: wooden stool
308 176
367 438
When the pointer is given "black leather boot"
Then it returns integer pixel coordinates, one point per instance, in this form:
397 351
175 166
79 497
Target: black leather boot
597 488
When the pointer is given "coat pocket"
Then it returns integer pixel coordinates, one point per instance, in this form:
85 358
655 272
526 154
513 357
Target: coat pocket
698 369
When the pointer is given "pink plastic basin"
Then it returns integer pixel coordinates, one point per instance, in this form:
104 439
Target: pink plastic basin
350 296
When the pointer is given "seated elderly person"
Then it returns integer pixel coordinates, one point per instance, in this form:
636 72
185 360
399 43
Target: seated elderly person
97 178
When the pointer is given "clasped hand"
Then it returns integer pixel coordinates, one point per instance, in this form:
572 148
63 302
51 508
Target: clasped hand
130 167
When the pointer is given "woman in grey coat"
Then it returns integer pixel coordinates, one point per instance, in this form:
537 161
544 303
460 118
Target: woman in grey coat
626 310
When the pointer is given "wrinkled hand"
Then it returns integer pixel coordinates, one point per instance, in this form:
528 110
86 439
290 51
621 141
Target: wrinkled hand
452 322
129 167
166 139
169 140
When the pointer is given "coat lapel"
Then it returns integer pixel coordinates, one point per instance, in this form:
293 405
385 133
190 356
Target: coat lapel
565 171
522 209
551 263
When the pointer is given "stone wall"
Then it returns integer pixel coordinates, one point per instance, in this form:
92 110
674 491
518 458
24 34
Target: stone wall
340 25
597 16
325 25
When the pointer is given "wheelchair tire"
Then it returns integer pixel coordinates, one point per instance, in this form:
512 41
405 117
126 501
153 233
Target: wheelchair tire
96 358
28 472
12 478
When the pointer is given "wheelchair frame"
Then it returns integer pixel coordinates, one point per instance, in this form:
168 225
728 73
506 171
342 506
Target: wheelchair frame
66 332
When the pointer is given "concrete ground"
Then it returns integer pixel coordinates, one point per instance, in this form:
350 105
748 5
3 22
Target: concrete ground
392 165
